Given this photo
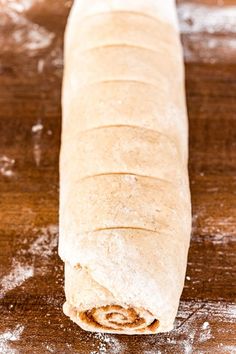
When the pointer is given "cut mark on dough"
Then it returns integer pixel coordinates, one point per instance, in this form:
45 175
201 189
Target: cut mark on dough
126 126
155 19
125 228
101 127
138 127
125 174
122 81
122 46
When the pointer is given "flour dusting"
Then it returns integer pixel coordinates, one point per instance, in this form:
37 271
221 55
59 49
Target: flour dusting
57 58
40 67
205 325
50 348
188 343
196 328
37 130
108 344
6 166
205 333
218 26
17 5
44 246
25 35
187 347
230 349
37 127
18 275
10 336
195 18
46 242
218 230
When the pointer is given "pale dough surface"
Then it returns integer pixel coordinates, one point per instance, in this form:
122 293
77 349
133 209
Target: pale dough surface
125 211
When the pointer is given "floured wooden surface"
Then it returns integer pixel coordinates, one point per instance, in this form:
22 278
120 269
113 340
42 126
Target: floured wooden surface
31 293
209 32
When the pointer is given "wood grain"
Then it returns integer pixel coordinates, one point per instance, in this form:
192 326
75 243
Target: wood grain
30 82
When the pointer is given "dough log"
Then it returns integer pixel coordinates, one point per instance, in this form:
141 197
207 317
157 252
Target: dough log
125 211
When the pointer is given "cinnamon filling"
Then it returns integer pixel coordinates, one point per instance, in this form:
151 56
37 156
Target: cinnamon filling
117 318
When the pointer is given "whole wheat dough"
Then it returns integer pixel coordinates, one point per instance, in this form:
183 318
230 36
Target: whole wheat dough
125 212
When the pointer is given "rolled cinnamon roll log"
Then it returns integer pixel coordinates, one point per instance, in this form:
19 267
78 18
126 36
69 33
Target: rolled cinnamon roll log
125 211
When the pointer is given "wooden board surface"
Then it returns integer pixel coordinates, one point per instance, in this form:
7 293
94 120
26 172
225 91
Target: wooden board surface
31 274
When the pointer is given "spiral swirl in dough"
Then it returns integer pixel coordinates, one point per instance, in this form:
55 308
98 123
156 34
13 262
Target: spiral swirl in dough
117 318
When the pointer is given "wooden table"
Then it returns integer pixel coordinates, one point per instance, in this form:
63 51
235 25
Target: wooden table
31 319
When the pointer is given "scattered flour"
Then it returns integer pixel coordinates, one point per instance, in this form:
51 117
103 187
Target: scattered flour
46 242
211 50
187 347
37 152
17 5
18 275
37 128
195 18
37 38
219 27
43 246
219 230
50 348
37 149
205 325
205 333
40 68
108 344
6 165
57 57
195 330
25 34
188 343
53 59
195 325
229 349
10 336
